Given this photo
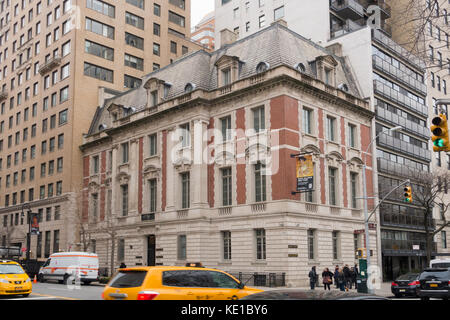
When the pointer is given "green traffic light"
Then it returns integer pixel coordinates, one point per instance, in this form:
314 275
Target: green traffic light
439 143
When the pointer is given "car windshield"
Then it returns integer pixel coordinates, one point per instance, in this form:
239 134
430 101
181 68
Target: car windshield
440 275
128 279
408 276
11 269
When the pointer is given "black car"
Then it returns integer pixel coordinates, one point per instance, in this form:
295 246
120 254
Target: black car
405 285
297 294
434 283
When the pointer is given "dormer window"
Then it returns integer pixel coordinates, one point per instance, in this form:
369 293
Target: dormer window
227 70
343 87
326 69
189 87
300 67
262 67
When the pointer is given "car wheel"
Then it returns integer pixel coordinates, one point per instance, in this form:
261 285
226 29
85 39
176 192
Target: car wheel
41 278
398 295
66 279
86 283
25 295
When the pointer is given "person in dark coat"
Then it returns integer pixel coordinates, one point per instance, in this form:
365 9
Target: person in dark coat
313 277
122 265
354 276
348 276
327 278
341 279
336 274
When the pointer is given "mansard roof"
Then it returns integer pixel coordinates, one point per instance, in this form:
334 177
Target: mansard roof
275 45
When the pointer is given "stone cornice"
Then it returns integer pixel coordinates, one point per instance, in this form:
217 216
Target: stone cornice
34 204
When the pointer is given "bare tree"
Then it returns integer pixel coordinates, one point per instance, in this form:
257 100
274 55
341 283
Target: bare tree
415 25
429 194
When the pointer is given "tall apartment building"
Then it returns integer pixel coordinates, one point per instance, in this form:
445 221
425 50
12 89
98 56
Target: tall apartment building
58 59
200 167
203 32
433 45
391 78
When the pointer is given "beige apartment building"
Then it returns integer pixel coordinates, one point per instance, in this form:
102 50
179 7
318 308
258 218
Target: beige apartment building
58 61
428 37
197 163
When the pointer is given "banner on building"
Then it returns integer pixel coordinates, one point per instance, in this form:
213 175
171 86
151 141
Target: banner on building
305 173
34 223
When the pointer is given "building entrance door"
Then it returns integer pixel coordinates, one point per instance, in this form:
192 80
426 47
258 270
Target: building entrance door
151 249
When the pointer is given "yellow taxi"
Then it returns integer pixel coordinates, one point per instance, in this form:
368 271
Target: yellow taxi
13 279
174 283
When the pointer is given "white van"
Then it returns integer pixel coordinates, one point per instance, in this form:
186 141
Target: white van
440 263
61 266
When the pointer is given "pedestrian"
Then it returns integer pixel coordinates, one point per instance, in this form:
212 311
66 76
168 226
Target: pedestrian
341 279
312 277
354 276
327 278
336 274
347 276
122 265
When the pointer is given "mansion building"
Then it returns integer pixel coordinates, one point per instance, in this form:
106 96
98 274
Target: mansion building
197 164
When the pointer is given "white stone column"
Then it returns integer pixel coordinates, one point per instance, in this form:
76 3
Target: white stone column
199 172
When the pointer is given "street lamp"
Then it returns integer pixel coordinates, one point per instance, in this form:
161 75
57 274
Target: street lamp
366 220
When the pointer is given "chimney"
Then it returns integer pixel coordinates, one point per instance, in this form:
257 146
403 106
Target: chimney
280 21
336 49
227 37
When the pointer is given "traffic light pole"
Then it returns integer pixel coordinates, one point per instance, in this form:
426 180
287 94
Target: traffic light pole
365 198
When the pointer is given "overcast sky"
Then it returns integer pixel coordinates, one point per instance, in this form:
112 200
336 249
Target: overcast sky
199 8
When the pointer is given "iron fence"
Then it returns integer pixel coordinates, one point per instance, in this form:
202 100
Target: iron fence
258 279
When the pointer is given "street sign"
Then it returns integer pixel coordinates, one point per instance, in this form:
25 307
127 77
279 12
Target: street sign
416 247
305 173
34 223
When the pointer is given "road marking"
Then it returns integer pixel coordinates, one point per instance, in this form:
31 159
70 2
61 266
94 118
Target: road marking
54 297
36 298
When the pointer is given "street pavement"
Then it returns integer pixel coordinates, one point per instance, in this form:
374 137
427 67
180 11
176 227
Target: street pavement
56 291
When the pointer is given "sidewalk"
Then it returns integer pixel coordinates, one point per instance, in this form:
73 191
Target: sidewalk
384 291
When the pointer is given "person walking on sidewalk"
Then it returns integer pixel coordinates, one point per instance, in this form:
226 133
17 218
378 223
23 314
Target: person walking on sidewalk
336 274
327 278
348 277
313 277
341 279
354 276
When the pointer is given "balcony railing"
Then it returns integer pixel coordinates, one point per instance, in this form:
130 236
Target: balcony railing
348 9
407 221
404 147
397 120
405 246
349 26
403 77
396 169
403 100
49 65
392 46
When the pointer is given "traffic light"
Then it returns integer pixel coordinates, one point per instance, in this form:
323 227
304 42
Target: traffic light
361 253
439 131
408 194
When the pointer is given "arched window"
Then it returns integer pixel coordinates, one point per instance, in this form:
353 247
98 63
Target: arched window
262 67
343 87
189 87
300 67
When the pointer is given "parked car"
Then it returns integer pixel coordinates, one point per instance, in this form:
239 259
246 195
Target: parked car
405 285
64 266
13 279
174 283
434 283
298 294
